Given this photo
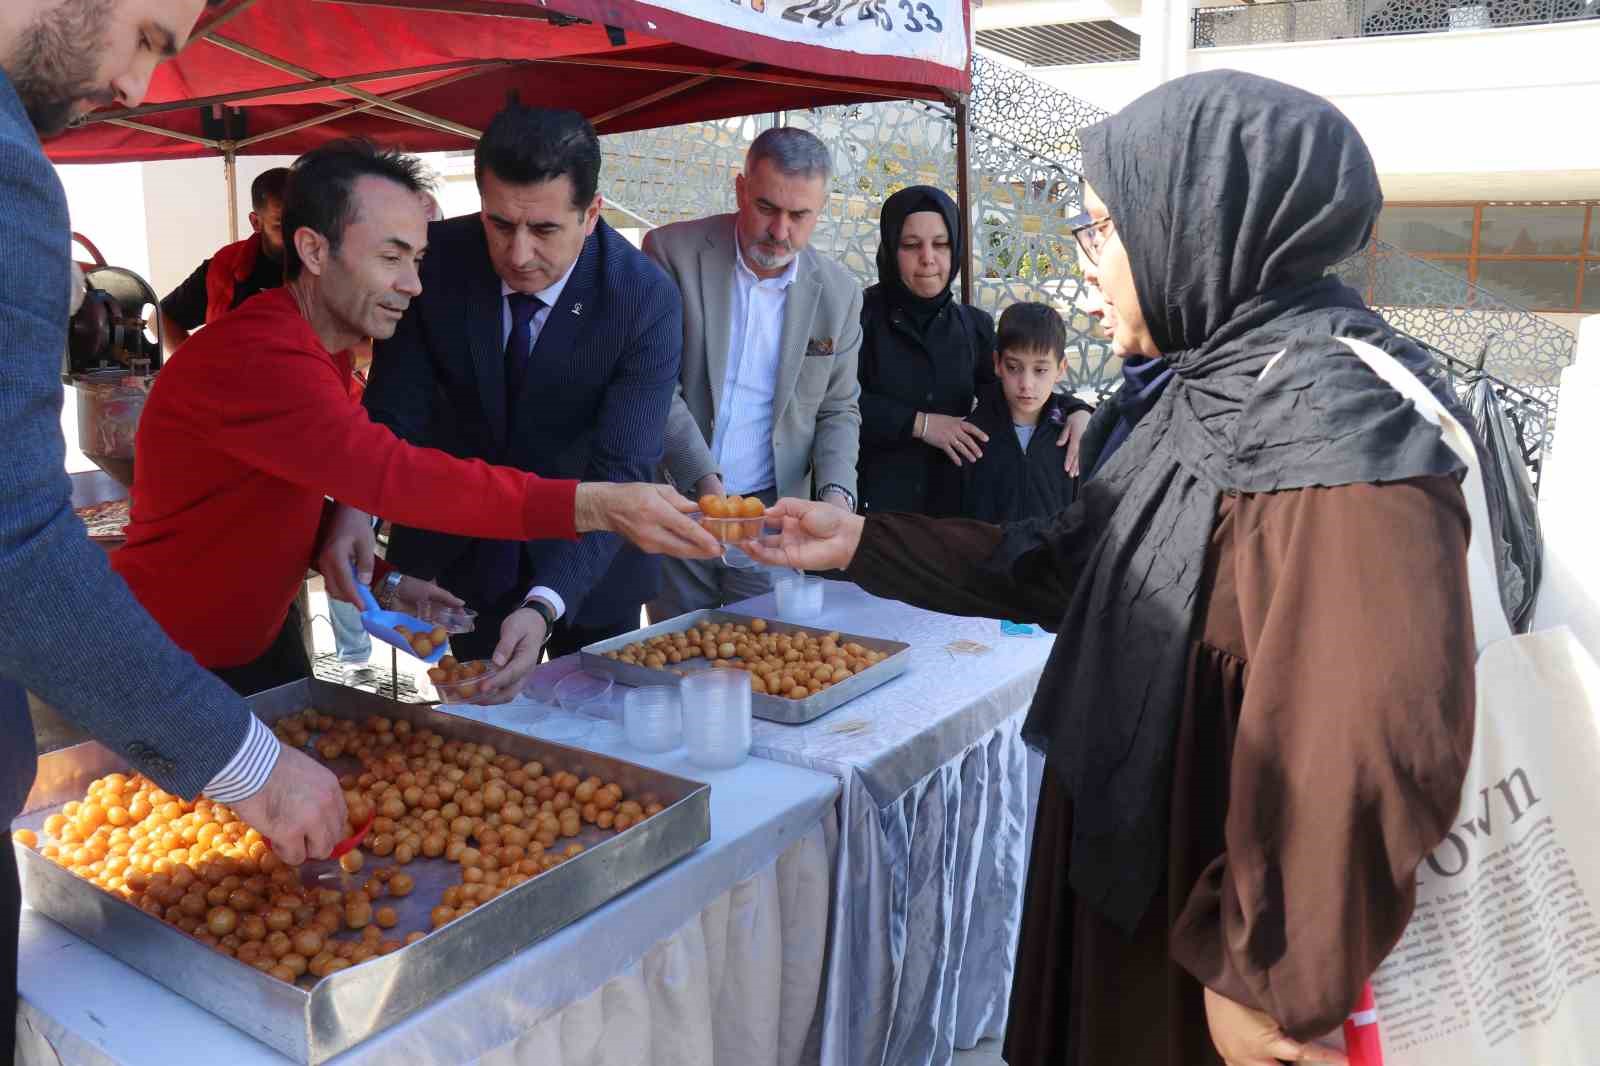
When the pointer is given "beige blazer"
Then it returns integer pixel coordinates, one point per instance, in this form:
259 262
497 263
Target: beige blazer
816 422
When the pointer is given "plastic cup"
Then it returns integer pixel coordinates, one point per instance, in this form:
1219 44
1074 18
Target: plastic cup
470 689
581 693
652 717
798 596
454 620
592 698
716 718
733 532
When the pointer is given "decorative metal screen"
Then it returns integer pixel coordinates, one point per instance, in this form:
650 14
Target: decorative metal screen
1021 198
1024 157
1321 20
1474 328
1012 104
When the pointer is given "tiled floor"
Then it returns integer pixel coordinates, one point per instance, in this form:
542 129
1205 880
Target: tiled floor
985 1054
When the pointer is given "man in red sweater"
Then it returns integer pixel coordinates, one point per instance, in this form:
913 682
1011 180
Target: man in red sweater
251 428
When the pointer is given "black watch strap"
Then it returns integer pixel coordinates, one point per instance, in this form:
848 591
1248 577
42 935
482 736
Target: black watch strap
545 611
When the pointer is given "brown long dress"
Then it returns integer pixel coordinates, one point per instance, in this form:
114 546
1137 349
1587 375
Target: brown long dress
1322 745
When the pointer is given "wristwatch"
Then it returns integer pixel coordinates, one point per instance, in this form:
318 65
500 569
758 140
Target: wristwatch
545 611
388 589
849 497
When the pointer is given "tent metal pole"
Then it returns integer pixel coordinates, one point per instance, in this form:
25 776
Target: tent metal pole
174 134
655 97
353 109
230 176
298 87
225 18
417 117
964 195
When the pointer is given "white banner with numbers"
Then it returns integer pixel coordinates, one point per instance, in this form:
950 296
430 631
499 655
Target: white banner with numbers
930 31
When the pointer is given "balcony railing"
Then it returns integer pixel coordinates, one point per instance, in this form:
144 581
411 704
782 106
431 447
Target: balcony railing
1472 332
1322 20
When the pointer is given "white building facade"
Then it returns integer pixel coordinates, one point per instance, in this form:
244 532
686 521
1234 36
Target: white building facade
1483 126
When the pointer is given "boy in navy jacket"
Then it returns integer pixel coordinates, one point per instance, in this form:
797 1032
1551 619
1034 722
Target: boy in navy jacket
1022 473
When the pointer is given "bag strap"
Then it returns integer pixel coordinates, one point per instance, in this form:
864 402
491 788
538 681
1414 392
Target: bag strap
1488 616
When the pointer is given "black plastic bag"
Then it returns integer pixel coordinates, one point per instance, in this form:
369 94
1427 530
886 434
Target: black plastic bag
1513 507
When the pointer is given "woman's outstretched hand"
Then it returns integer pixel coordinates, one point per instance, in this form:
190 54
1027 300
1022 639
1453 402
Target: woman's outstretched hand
1246 1037
816 536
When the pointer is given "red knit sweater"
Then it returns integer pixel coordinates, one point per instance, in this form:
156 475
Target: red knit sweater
248 427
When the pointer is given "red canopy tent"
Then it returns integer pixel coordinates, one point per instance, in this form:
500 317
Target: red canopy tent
278 77
281 76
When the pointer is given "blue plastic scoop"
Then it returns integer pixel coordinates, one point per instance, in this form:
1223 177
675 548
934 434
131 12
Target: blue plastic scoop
383 624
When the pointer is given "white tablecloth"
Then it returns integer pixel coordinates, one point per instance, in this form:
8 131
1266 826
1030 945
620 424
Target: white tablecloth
927 896
716 960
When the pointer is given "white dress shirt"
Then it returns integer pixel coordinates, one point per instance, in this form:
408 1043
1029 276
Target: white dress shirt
549 296
742 441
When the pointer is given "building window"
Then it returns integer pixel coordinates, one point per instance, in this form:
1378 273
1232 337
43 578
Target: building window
1545 257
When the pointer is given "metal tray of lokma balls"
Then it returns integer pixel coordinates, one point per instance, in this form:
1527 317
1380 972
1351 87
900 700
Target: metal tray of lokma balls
312 1018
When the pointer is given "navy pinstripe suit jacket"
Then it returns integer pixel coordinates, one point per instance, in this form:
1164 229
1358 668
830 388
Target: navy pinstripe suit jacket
593 406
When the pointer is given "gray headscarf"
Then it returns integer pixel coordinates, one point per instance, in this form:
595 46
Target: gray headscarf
1232 195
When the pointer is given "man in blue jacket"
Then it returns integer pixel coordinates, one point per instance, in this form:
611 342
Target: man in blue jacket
542 340
69 628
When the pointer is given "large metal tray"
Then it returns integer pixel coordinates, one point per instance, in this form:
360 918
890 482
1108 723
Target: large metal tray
771 708
347 1007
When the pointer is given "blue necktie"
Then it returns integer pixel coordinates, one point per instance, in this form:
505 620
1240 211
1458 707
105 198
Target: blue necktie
519 346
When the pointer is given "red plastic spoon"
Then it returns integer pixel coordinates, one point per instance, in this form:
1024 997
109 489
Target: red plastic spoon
315 870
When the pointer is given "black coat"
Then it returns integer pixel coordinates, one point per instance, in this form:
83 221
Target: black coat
1008 484
904 370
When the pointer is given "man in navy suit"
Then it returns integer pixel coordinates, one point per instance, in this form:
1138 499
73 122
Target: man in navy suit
545 341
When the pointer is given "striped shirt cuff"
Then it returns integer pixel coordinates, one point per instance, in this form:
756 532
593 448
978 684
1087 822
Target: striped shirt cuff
248 770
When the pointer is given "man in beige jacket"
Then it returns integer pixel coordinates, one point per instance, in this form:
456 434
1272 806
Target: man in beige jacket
768 401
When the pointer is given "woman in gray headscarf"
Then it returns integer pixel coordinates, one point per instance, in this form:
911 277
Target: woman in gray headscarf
1258 711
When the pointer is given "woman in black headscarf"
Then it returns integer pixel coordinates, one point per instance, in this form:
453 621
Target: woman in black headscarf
1143 378
1258 711
924 356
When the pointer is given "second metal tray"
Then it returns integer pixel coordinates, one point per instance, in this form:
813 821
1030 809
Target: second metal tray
771 708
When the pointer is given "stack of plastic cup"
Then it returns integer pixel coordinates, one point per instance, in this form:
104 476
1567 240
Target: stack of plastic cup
716 718
652 717
798 595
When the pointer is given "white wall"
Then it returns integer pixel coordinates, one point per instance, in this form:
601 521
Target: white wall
161 220
1111 86
1517 101
1569 513
1572 321
106 204
1004 14
186 212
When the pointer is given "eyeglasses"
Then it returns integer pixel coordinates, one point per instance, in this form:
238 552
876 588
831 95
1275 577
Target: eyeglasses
1091 235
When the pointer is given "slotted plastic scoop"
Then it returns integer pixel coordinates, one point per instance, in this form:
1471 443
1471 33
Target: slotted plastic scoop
381 624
